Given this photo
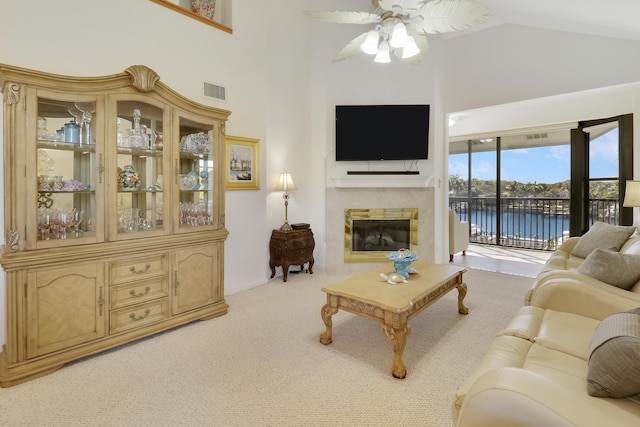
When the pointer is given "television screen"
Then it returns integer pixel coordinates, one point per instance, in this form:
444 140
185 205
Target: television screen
382 132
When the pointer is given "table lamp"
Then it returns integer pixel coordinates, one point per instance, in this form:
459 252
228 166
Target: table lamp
285 183
632 194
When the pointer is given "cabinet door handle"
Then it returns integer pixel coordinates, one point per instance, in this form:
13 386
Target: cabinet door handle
100 168
175 283
134 271
100 301
133 293
134 318
177 171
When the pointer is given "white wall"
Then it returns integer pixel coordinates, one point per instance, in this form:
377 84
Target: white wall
359 80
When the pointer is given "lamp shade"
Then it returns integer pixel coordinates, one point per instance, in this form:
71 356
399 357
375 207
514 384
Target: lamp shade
410 49
399 37
632 194
285 183
383 53
370 44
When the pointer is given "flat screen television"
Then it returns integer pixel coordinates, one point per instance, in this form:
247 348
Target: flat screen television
382 132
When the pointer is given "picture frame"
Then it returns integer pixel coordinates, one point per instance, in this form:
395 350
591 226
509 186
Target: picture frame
242 163
188 11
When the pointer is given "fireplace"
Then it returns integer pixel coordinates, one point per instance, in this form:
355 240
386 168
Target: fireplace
339 199
371 234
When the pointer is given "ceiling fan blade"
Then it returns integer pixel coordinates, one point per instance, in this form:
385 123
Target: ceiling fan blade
344 17
442 16
351 49
405 5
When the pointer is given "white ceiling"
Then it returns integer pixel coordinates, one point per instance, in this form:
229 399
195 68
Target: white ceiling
609 18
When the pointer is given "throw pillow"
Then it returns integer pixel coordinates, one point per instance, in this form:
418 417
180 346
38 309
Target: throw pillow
614 356
602 235
614 268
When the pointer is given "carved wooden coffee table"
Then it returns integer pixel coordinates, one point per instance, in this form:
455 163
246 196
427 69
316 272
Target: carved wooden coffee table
368 295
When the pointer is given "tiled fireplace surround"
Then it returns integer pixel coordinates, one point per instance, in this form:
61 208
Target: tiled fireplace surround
341 198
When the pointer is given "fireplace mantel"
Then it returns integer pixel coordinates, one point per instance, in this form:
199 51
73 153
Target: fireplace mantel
377 196
382 181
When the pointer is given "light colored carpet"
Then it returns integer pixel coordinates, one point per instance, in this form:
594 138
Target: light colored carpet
262 365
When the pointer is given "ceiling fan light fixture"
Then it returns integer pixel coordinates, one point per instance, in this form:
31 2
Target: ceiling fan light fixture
370 44
396 21
399 37
410 49
383 53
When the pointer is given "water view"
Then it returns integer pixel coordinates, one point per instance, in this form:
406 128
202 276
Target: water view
536 223
516 225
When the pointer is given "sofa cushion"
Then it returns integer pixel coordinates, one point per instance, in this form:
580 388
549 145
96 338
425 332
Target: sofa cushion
614 356
617 269
566 332
604 236
632 246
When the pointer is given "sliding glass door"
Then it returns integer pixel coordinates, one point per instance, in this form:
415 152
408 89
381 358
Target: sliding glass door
535 189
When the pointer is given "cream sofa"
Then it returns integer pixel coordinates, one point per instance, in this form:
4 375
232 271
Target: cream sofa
562 260
536 369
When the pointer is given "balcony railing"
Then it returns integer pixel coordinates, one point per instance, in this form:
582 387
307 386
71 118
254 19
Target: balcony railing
528 223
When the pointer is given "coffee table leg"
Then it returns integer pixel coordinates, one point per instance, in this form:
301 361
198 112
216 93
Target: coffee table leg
462 292
398 337
327 312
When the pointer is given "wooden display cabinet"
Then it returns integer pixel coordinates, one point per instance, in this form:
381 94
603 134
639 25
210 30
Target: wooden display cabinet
114 214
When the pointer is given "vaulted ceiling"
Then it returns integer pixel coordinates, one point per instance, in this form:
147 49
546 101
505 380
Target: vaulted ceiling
610 18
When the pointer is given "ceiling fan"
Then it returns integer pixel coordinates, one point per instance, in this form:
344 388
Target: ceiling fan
401 26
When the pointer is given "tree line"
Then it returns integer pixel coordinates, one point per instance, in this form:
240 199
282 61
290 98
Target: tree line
458 187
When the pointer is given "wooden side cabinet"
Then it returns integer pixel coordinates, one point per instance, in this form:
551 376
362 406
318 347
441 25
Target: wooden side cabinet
288 248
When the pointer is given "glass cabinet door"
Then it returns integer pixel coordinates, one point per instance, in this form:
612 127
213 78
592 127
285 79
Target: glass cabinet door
66 171
194 177
137 137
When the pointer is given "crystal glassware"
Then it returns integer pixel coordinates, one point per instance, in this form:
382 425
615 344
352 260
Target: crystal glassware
77 115
44 223
77 216
60 224
87 109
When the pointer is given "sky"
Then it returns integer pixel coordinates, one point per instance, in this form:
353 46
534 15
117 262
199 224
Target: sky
543 165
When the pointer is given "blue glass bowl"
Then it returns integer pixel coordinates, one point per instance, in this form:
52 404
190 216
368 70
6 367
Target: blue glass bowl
402 259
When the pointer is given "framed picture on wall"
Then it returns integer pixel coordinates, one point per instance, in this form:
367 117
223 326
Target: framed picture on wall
242 163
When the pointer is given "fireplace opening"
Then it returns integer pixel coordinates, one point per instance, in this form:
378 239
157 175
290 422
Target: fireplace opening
371 234
380 235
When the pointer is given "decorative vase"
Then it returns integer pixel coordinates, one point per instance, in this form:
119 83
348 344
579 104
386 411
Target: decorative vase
401 261
128 179
206 8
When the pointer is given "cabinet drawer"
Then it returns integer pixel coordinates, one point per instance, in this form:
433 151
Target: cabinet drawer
300 257
139 268
139 291
138 316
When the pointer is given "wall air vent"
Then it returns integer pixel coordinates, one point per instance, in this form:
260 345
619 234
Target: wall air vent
540 135
212 90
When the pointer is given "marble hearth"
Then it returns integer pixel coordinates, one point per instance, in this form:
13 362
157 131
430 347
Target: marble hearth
341 198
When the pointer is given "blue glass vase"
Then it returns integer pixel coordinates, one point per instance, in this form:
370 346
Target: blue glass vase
402 259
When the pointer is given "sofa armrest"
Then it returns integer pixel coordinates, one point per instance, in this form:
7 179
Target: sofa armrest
517 397
569 244
572 292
